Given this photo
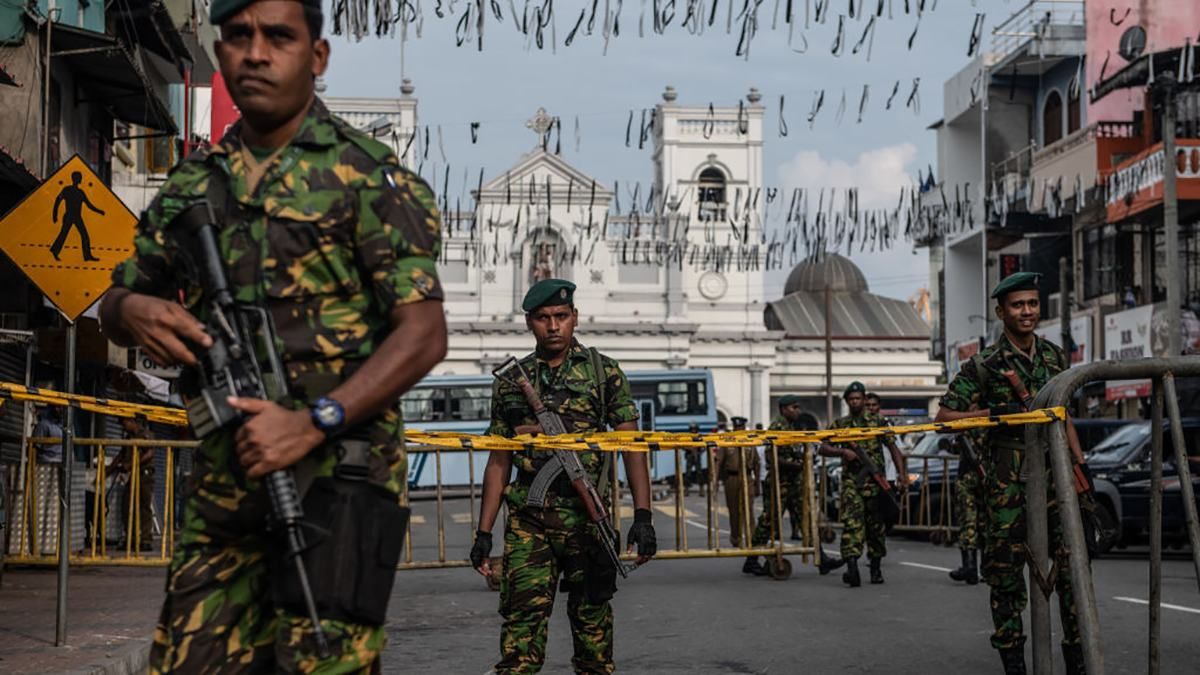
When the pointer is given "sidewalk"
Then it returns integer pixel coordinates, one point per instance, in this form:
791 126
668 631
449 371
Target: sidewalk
110 620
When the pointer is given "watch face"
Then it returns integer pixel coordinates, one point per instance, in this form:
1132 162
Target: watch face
328 414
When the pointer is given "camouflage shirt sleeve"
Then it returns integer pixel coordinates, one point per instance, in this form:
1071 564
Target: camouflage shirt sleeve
963 389
499 426
621 408
149 270
399 237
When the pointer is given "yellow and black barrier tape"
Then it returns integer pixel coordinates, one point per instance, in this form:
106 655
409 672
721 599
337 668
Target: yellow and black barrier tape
101 406
648 441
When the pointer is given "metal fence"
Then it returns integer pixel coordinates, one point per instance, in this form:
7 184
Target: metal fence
1054 437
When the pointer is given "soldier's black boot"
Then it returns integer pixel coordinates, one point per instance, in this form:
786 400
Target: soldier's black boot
1013 660
850 576
1073 656
828 563
752 566
973 569
960 574
876 570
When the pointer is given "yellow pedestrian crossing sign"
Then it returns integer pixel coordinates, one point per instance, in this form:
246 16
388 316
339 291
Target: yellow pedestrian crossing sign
68 235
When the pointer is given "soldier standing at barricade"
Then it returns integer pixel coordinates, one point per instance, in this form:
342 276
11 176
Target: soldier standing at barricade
320 226
694 473
731 463
791 481
971 510
987 385
860 508
590 393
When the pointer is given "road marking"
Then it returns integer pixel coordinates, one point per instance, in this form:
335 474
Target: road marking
1139 601
461 518
416 519
927 567
626 512
702 526
670 511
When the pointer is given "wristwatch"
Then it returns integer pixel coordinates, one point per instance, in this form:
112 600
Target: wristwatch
328 415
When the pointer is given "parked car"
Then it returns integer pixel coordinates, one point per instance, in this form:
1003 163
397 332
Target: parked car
1121 467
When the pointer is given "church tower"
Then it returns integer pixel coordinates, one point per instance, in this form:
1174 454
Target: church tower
708 164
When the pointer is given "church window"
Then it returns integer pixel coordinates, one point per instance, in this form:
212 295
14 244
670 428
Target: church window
711 194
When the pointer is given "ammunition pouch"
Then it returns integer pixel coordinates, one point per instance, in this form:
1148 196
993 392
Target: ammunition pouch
1007 457
356 534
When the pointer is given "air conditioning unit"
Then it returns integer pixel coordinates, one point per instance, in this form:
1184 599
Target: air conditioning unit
1053 307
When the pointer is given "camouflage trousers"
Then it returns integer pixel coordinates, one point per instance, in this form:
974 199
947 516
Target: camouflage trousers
218 615
1004 565
540 546
861 521
792 497
970 510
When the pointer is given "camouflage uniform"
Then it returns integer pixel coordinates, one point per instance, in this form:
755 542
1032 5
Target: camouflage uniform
1004 559
969 500
540 544
791 487
859 511
334 236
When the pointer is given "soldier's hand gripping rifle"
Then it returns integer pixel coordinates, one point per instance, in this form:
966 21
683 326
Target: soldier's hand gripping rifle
231 367
511 372
889 508
1079 467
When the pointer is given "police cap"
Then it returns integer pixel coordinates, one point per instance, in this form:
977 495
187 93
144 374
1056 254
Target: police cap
1020 281
738 421
222 10
549 293
855 386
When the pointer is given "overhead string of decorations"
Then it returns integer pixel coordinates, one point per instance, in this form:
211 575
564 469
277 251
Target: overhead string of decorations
547 25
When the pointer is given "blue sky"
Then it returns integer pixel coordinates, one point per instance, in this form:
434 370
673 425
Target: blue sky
503 85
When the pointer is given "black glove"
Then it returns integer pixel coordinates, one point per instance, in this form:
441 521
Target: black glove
1006 409
481 549
642 534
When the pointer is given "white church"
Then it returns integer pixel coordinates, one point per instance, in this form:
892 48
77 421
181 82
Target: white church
543 217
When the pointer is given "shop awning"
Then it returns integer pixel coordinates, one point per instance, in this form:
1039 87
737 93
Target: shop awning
111 76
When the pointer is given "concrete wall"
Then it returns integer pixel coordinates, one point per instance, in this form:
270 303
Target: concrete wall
1167 22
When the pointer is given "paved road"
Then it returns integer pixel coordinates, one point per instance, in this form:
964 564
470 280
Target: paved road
704 616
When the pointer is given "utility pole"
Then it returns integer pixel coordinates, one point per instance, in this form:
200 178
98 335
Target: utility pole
828 355
1064 305
1166 85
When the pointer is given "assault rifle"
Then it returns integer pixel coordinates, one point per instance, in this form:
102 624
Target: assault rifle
231 367
1082 475
889 508
511 372
970 453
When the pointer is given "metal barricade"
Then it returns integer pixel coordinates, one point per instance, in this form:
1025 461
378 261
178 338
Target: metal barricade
675 508
1058 392
34 536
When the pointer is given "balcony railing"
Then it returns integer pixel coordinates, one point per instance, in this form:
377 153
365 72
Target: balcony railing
1033 21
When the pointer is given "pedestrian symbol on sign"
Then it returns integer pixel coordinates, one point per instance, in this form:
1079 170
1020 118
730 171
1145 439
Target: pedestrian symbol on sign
75 199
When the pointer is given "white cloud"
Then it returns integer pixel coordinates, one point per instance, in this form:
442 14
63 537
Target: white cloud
878 174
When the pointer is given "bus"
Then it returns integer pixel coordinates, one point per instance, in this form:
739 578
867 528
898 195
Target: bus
667 400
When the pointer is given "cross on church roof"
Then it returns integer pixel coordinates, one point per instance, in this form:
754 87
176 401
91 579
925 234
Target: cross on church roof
541 124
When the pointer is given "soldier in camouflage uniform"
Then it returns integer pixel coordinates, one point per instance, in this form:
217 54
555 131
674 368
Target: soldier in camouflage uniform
791 475
982 388
969 506
320 225
860 514
541 544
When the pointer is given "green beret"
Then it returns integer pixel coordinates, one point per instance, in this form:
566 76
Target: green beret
221 10
1020 281
790 399
549 293
854 386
